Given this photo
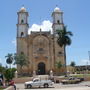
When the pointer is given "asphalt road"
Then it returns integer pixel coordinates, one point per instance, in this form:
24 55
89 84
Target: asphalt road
80 86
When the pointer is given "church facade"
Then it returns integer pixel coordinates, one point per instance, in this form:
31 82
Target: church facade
40 47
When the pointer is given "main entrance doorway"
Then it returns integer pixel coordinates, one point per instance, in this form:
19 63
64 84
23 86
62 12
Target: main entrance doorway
41 68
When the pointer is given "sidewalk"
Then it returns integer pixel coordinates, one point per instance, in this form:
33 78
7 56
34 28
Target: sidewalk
67 88
74 88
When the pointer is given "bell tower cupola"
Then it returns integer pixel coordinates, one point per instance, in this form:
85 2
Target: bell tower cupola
57 16
22 25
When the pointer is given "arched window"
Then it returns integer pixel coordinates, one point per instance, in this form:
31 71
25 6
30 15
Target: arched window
59 52
58 21
22 52
22 34
22 21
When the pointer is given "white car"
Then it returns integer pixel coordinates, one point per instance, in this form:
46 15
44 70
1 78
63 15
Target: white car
38 83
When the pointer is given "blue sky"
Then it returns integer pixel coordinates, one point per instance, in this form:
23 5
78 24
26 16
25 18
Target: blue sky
76 17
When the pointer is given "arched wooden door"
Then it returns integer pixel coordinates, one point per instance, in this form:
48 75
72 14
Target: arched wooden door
41 68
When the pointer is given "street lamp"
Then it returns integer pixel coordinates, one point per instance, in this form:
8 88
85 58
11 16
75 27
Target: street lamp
87 64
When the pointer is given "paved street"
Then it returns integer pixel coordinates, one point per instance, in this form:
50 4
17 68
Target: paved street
81 86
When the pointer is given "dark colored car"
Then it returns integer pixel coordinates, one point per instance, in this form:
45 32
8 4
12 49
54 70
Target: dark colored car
81 79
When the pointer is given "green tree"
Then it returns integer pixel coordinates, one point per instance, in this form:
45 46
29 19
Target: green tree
72 64
58 65
21 60
9 59
2 69
64 39
9 74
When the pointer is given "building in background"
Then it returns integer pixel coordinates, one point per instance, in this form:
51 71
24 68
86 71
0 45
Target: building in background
40 47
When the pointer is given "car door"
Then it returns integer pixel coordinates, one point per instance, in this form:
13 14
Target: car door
36 82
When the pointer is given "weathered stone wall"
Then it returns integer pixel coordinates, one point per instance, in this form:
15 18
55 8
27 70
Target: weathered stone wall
40 48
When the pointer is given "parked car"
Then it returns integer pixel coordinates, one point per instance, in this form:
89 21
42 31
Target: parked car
71 80
81 79
38 83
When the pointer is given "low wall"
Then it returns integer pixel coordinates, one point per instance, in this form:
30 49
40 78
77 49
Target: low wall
10 88
22 80
25 79
56 78
87 78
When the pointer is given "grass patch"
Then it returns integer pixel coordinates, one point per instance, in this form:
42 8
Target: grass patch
2 88
81 75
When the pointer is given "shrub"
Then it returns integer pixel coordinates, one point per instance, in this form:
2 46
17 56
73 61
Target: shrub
9 74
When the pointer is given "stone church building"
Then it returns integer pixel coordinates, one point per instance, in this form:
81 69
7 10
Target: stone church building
40 47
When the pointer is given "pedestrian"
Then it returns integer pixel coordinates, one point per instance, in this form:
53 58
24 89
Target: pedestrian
12 83
1 79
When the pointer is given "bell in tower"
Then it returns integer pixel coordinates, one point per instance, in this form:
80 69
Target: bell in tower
57 16
22 26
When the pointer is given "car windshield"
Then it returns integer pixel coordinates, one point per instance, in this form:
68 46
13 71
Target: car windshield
35 80
71 78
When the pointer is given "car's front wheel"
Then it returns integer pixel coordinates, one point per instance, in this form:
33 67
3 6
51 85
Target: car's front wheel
29 86
63 82
46 85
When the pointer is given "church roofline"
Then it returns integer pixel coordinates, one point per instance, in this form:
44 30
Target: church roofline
42 32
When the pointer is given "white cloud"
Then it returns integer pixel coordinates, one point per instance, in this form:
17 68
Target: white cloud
0 61
14 42
85 62
45 26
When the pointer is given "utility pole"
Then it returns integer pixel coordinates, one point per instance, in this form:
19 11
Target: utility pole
88 61
89 55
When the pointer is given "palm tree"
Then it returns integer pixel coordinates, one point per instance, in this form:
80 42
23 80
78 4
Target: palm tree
9 59
64 39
